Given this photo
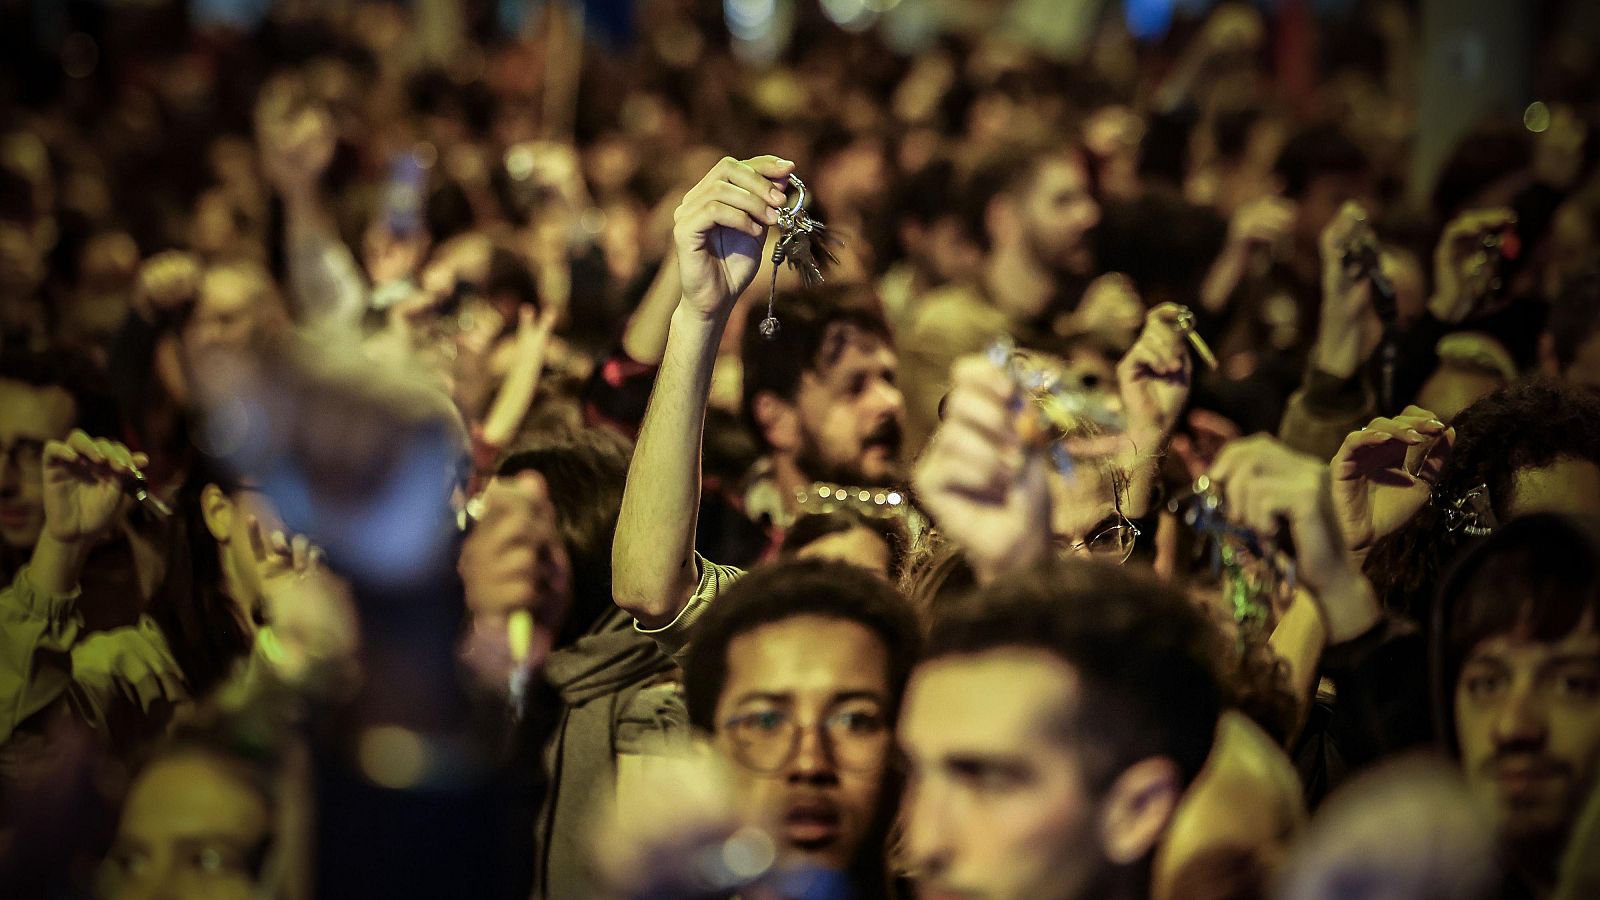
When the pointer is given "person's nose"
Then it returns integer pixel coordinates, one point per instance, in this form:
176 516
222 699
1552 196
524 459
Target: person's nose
813 758
1521 720
927 825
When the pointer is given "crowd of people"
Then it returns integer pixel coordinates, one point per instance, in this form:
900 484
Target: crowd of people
428 466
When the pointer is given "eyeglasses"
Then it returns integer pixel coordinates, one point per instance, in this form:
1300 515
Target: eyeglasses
26 453
1113 542
767 740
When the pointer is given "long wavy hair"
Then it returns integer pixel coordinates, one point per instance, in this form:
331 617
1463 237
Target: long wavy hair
203 626
1528 425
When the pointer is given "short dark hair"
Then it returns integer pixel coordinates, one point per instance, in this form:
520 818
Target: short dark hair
585 472
1146 656
1538 576
1527 425
72 372
816 526
814 324
786 590
1315 151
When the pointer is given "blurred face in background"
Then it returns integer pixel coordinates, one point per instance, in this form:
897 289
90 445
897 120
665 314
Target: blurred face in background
192 828
238 304
29 418
1057 215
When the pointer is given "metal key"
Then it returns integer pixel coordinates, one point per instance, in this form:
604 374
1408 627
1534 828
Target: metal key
803 242
1185 325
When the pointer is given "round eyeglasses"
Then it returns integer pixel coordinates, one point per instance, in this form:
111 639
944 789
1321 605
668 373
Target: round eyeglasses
767 740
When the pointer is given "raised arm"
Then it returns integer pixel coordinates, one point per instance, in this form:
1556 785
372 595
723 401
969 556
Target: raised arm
38 621
719 232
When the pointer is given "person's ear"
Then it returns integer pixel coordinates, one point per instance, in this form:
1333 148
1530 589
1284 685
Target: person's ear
221 516
1138 808
779 421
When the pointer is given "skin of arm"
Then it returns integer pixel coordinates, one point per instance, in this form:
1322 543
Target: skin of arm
719 234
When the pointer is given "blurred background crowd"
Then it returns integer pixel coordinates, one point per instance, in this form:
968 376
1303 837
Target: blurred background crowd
328 327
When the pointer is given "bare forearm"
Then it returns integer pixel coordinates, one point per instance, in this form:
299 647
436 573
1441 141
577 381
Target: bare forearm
645 339
323 274
514 398
652 558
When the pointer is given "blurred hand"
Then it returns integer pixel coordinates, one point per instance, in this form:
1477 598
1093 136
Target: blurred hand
83 479
390 258
1383 474
1153 378
1348 329
512 563
1263 222
978 481
1110 303
720 230
1267 487
167 282
311 617
1455 259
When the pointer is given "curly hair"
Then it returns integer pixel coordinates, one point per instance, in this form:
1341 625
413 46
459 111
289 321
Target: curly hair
1529 425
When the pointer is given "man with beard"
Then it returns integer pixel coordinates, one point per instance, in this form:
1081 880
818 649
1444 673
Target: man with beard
1037 217
822 396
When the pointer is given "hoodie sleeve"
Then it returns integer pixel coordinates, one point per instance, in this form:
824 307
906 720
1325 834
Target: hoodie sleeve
674 637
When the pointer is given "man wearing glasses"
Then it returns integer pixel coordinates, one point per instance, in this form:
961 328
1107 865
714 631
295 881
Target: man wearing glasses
796 675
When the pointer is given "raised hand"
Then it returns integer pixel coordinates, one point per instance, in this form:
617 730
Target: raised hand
514 565
310 616
1456 258
978 481
1268 488
1153 378
1383 474
168 281
1264 222
83 485
720 231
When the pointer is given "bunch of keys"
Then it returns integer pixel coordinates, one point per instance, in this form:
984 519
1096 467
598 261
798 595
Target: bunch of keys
1051 409
1252 568
802 241
1184 323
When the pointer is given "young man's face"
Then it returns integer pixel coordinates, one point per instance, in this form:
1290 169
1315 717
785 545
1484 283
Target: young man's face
804 716
1528 723
1058 214
29 418
190 829
851 413
997 804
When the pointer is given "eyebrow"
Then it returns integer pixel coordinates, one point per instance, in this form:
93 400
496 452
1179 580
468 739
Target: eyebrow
786 698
